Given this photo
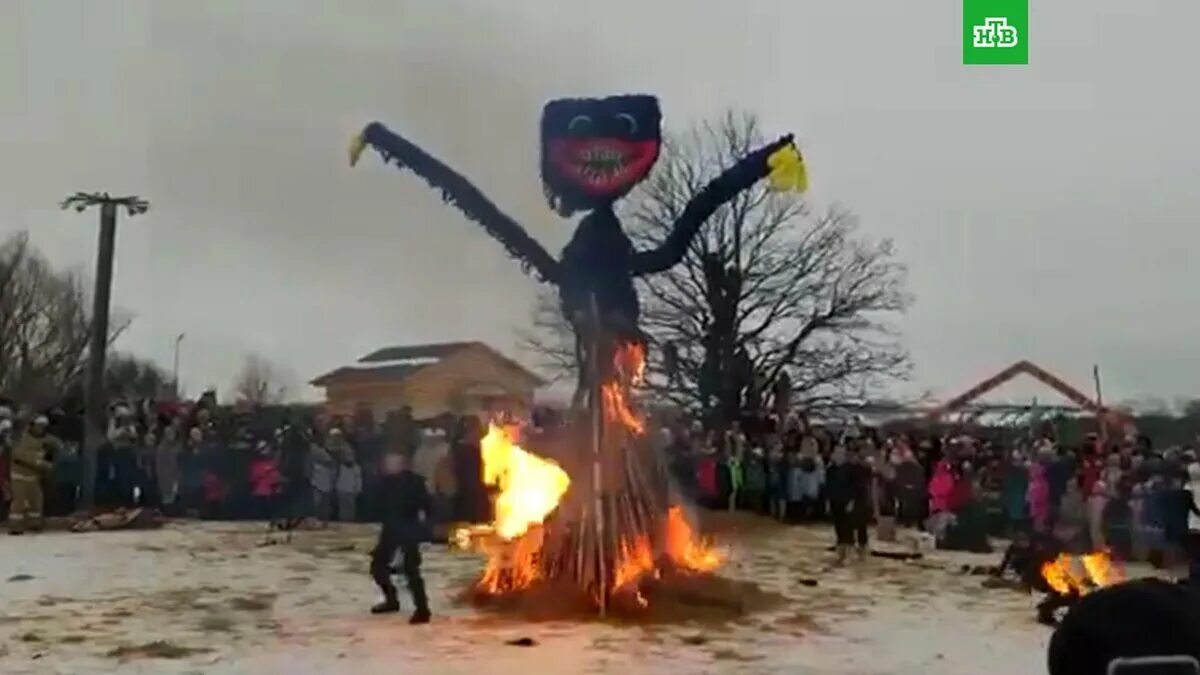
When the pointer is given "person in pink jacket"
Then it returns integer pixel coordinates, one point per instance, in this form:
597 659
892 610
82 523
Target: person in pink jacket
941 487
1039 497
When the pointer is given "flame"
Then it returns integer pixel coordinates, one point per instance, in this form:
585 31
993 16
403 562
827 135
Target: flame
637 558
630 361
1095 570
630 364
530 486
1099 566
687 550
512 565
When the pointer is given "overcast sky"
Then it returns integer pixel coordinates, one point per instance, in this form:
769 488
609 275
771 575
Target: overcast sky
1046 212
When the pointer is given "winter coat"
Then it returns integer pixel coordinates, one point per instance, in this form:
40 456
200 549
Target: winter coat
349 479
1038 496
910 482
961 494
264 475
847 483
754 475
941 487
68 468
322 471
444 480
191 469
1014 487
806 475
706 476
166 468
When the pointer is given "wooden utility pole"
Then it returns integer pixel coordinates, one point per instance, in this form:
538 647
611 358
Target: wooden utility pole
94 415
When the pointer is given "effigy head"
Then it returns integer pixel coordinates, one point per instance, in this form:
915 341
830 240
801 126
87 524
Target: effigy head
594 150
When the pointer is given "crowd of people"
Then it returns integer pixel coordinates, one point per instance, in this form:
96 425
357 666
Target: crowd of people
1127 497
228 463
260 463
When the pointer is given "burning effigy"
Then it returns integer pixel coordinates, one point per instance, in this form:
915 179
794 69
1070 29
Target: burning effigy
614 535
597 516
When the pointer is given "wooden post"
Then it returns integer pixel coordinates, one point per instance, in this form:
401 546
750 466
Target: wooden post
596 410
93 431
94 415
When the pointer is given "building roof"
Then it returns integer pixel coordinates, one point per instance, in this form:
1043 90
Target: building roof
402 361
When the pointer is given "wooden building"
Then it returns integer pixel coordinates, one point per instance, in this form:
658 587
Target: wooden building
449 377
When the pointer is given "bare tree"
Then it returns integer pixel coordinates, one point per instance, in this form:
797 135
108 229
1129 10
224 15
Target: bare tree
769 292
44 326
261 382
550 340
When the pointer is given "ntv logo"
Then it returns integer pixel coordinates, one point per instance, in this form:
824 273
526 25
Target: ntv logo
995 32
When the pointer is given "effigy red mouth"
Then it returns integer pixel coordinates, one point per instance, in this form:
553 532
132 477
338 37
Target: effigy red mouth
603 165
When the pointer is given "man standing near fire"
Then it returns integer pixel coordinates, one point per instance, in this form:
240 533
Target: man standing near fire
404 508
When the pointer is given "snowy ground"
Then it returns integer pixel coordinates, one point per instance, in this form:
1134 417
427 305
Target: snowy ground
210 598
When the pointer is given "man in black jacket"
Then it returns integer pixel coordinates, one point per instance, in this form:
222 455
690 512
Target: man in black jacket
404 507
848 489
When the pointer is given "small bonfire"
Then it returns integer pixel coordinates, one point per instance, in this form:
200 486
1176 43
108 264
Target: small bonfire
1078 575
590 525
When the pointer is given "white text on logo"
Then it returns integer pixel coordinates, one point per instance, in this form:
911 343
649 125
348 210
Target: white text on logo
995 32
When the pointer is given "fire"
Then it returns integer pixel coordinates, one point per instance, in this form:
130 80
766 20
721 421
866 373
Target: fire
637 558
630 361
685 549
630 364
530 486
1095 570
512 565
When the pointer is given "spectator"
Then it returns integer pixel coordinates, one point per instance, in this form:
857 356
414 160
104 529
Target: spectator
848 491
777 479
1014 488
67 475
911 490
349 486
191 473
754 487
806 477
121 479
166 468
1038 497
322 475
265 481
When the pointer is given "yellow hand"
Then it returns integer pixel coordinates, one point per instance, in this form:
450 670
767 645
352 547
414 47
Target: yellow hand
357 145
787 170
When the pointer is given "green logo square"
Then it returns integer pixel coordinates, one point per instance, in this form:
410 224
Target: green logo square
996 32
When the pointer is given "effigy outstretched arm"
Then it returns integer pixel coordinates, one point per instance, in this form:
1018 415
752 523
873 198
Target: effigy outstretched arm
459 192
779 160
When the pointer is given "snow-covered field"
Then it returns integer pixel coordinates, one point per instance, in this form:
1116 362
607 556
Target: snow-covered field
211 598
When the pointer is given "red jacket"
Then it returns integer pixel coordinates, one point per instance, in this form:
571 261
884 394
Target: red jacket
214 489
706 475
960 495
264 476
